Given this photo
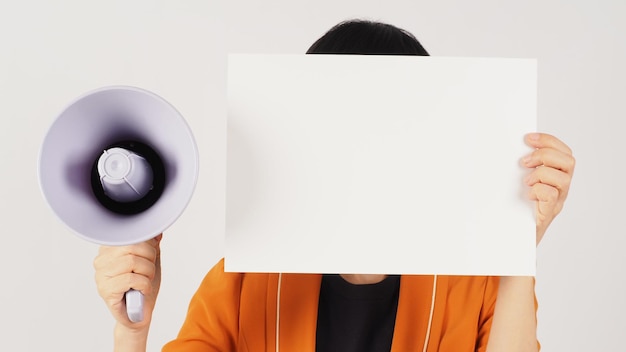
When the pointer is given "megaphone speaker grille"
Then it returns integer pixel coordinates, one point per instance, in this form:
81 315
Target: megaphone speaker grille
137 206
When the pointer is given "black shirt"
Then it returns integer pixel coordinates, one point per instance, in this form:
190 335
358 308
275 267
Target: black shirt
358 318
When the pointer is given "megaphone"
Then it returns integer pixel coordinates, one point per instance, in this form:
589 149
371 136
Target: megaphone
118 166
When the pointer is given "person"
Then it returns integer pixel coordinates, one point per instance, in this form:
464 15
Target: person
305 312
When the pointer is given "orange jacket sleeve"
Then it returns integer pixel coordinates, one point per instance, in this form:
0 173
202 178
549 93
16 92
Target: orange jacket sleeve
486 314
213 316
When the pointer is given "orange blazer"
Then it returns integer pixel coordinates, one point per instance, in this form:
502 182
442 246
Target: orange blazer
240 312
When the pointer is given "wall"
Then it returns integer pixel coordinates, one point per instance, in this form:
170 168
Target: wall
51 53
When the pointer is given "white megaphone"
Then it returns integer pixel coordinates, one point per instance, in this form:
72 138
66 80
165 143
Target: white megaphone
118 166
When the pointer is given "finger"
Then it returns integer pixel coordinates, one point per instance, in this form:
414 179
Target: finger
550 157
544 140
135 248
148 250
126 264
548 199
549 176
115 287
112 261
144 249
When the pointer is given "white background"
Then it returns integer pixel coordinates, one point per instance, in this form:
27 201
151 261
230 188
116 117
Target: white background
52 52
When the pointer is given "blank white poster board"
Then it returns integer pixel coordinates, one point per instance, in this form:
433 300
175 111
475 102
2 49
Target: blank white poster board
379 164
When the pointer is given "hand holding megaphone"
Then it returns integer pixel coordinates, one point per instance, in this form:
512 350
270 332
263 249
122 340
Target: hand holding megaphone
118 166
120 268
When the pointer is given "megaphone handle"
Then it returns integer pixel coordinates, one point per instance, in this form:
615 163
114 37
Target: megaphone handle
134 305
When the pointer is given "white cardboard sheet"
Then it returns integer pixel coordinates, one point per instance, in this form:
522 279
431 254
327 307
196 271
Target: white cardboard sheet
379 164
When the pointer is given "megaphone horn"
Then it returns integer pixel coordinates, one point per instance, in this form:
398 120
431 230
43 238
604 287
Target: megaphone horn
118 166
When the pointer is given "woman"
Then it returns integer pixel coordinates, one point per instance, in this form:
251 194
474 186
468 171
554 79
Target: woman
251 312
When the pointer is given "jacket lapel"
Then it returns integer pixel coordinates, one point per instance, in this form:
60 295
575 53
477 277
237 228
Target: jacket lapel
299 299
414 311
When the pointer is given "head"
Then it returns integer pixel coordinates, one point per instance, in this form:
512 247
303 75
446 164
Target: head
367 38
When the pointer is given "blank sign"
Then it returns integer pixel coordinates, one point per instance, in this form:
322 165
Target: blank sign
379 164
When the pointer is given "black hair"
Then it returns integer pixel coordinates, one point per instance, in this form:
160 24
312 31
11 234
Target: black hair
367 38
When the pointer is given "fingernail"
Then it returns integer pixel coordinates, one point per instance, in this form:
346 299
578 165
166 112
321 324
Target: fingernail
526 159
533 136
